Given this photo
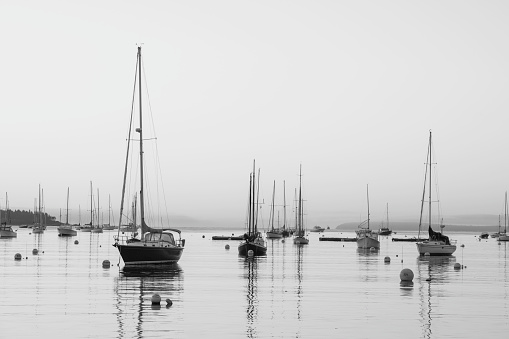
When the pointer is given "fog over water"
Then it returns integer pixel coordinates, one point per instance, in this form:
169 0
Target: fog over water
349 90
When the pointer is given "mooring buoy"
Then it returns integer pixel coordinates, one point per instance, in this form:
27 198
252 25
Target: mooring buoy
406 274
17 256
156 299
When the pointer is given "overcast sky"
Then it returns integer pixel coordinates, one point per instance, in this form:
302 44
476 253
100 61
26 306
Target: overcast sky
348 89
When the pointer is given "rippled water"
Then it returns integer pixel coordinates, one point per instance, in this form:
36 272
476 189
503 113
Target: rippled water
322 290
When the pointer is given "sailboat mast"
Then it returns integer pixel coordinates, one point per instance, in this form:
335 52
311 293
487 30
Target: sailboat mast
40 216
367 197
91 206
140 130
67 209
98 209
429 217
505 214
250 208
284 205
273 197
300 231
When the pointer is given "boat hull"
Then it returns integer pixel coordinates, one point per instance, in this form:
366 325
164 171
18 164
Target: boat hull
258 249
274 235
96 230
367 242
141 254
300 241
503 237
8 234
435 248
68 232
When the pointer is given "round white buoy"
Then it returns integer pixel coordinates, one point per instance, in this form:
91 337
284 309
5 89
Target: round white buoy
457 266
406 274
106 263
35 251
17 256
156 299
426 254
76 242
169 302
387 259
250 253
227 246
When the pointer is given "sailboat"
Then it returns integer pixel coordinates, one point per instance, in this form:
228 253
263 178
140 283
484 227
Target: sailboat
253 240
438 244
273 233
66 230
155 246
6 231
39 226
366 238
503 236
385 230
88 227
300 232
109 226
97 228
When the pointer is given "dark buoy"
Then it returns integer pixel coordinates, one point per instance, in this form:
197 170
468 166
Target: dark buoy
76 242
106 263
387 259
457 266
156 299
169 302
17 256
406 274
227 246
35 251
203 236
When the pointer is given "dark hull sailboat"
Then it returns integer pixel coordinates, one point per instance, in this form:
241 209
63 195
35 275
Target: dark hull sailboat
154 248
156 245
253 240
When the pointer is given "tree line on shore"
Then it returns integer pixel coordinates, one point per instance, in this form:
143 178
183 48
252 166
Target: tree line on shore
22 217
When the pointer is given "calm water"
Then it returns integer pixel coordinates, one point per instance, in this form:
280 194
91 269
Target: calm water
323 290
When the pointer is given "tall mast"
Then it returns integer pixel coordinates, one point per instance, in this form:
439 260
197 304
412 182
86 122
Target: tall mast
40 217
367 197
98 209
67 209
429 179
300 203
505 214
273 197
284 205
91 206
140 130
254 209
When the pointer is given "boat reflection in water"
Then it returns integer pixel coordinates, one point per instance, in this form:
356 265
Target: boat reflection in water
432 275
251 266
135 287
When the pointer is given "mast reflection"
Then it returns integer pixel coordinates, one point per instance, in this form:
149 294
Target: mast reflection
134 289
431 270
251 264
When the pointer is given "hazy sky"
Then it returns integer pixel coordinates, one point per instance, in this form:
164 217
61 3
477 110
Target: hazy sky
348 89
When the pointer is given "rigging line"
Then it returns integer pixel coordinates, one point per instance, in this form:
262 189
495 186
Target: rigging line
128 144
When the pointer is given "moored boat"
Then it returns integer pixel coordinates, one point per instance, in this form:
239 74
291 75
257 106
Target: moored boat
155 246
66 230
253 243
437 244
300 233
366 237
